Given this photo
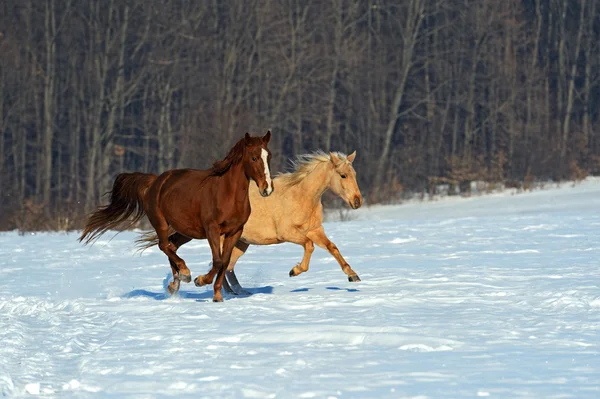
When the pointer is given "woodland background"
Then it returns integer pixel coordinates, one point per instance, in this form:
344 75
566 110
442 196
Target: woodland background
426 91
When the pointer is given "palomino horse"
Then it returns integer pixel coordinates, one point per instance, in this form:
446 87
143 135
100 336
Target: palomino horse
194 203
294 212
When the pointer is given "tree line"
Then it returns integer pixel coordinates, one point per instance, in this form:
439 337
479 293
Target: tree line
426 91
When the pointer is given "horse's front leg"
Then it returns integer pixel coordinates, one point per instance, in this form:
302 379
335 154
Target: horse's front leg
308 250
228 244
319 238
213 237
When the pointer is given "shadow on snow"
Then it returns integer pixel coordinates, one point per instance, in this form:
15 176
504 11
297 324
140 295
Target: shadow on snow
203 296
329 288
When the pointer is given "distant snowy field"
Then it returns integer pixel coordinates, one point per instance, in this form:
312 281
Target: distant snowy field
496 296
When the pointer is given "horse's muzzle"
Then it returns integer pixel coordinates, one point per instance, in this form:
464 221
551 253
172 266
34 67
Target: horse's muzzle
356 203
266 192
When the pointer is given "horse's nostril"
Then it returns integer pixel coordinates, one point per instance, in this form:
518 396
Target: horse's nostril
356 202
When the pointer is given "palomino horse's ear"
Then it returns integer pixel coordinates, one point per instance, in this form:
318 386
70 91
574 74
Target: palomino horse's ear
335 159
351 157
247 138
267 137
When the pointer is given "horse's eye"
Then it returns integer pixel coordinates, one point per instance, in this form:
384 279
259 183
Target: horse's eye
253 159
343 176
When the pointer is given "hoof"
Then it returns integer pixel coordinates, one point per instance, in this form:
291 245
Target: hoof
172 289
353 279
186 278
198 281
217 299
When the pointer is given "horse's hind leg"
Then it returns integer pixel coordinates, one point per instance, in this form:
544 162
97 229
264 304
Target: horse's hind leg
176 263
159 223
182 270
319 238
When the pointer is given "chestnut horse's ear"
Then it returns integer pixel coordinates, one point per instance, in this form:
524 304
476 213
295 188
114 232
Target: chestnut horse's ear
247 139
267 137
334 159
351 157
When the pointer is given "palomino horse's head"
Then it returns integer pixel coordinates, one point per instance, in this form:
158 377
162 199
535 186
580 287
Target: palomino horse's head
343 182
257 162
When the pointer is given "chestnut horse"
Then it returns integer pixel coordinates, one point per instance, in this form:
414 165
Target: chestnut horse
294 212
194 203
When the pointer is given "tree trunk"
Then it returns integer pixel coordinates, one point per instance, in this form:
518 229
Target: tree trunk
49 98
470 119
116 105
562 75
165 139
298 136
74 146
587 85
571 88
2 127
531 85
411 34
98 105
337 39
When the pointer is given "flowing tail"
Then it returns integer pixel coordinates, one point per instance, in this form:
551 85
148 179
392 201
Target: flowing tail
126 199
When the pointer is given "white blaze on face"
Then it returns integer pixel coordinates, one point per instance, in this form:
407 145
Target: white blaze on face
264 156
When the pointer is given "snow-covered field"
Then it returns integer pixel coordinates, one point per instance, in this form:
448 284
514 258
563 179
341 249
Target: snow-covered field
494 297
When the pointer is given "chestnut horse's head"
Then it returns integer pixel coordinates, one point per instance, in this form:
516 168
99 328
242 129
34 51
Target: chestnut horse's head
343 182
257 162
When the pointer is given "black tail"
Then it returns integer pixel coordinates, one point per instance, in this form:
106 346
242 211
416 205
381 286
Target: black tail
126 199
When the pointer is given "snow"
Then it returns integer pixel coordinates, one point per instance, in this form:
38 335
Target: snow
495 296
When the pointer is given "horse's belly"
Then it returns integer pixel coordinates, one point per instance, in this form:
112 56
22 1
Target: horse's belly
261 241
258 233
196 232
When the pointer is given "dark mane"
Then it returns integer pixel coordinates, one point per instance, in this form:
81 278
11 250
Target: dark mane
235 155
233 158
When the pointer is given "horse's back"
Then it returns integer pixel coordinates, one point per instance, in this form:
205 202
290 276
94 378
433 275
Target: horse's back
179 174
182 179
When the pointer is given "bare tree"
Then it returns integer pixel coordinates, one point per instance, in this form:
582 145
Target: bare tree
426 90
414 12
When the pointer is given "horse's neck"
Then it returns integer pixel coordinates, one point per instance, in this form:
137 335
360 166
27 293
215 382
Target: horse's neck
316 183
237 182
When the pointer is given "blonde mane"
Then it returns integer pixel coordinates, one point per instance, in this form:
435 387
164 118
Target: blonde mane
304 164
